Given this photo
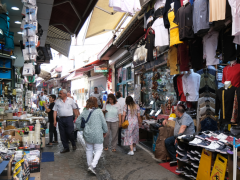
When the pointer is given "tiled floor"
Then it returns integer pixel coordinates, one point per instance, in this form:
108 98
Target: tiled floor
112 166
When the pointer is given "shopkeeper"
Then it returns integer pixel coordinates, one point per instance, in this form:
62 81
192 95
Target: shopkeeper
183 125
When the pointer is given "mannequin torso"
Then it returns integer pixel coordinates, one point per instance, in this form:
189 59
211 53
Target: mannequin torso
227 84
190 71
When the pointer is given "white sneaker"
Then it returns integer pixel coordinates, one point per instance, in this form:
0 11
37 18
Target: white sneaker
213 146
195 141
131 153
180 137
134 149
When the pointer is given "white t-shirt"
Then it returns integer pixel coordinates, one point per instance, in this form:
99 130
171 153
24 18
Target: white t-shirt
121 102
98 96
113 112
161 33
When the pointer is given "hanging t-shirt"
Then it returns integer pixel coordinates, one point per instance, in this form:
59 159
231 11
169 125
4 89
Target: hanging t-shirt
235 8
161 33
125 5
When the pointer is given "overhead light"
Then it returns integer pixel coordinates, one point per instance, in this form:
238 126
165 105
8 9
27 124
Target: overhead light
15 8
18 22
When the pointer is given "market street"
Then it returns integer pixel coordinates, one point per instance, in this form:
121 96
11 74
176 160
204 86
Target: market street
112 166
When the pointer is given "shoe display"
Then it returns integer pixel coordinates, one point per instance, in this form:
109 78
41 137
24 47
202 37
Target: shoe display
188 138
225 150
131 153
179 157
181 148
197 158
180 137
211 139
193 152
213 146
182 153
202 136
184 158
204 144
173 163
192 169
180 170
195 142
196 165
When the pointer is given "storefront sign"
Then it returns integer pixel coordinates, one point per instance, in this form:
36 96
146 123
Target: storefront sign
98 69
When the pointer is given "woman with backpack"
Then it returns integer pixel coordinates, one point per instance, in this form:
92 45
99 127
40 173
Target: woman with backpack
94 127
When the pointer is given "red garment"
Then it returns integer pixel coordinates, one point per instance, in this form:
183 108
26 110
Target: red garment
232 73
183 56
180 88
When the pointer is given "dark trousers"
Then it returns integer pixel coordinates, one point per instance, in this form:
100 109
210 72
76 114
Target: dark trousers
52 131
66 129
171 148
119 136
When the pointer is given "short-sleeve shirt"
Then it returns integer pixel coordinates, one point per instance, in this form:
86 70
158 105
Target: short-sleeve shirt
187 121
185 21
50 114
98 96
113 112
128 111
65 109
42 98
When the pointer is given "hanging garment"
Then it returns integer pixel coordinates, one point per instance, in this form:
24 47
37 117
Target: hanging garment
167 7
237 39
172 60
210 42
176 86
196 53
200 16
232 73
180 88
206 89
209 124
125 5
191 1
217 10
208 80
235 8
191 84
174 30
183 56
150 43
226 46
161 33
159 4
212 95
224 103
184 19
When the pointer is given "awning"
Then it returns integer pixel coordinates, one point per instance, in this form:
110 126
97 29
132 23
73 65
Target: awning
89 66
45 75
103 19
59 40
70 15
77 74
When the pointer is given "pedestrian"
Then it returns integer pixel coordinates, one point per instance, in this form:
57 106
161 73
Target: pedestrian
97 95
113 115
131 112
94 132
65 107
78 114
52 128
121 102
69 95
41 98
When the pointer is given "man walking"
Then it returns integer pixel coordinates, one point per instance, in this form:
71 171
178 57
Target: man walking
97 95
40 100
65 107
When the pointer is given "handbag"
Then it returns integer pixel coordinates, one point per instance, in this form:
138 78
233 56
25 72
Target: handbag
85 121
126 122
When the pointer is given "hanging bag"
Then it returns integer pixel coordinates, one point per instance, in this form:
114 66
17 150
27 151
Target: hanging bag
85 121
126 122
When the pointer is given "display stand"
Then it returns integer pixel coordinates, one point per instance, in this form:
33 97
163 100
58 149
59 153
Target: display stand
8 175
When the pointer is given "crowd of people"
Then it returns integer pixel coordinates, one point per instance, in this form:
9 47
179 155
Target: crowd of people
102 122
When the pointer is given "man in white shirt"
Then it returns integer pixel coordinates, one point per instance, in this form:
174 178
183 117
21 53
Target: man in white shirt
65 107
121 101
40 100
97 95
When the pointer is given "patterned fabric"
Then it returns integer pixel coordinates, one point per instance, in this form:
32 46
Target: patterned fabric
235 109
94 128
132 132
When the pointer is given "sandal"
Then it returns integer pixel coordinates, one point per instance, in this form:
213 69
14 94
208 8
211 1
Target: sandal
49 145
105 149
113 150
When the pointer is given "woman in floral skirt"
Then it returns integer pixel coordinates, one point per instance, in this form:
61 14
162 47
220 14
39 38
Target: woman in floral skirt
132 114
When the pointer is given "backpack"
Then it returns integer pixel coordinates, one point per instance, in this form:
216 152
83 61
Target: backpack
85 121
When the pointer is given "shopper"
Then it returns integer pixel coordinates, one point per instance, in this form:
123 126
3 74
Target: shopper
41 98
94 132
69 95
97 95
183 125
131 112
52 128
65 107
121 102
113 115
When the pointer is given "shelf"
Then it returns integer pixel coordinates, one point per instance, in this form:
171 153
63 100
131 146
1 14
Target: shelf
6 68
2 79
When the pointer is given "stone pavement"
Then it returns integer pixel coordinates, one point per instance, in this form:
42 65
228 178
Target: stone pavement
112 166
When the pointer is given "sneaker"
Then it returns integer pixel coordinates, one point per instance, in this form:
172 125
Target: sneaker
188 138
198 152
178 157
211 139
181 148
226 149
222 146
196 165
189 174
204 144
184 158
222 136
202 136
180 137
173 163
189 155
195 142
180 170
193 170
213 146
134 149
182 153
131 153
197 158
229 139
92 170
192 151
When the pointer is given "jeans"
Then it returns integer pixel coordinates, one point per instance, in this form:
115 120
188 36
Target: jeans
52 131
171 148
66 129
113 129
42 108
90 148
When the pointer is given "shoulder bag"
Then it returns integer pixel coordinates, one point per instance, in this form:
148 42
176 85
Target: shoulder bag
125 123
85 121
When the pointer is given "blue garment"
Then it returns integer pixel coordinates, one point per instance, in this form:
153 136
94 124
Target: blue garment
208 124
66 129
191 1
171 148
42 108
105 97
